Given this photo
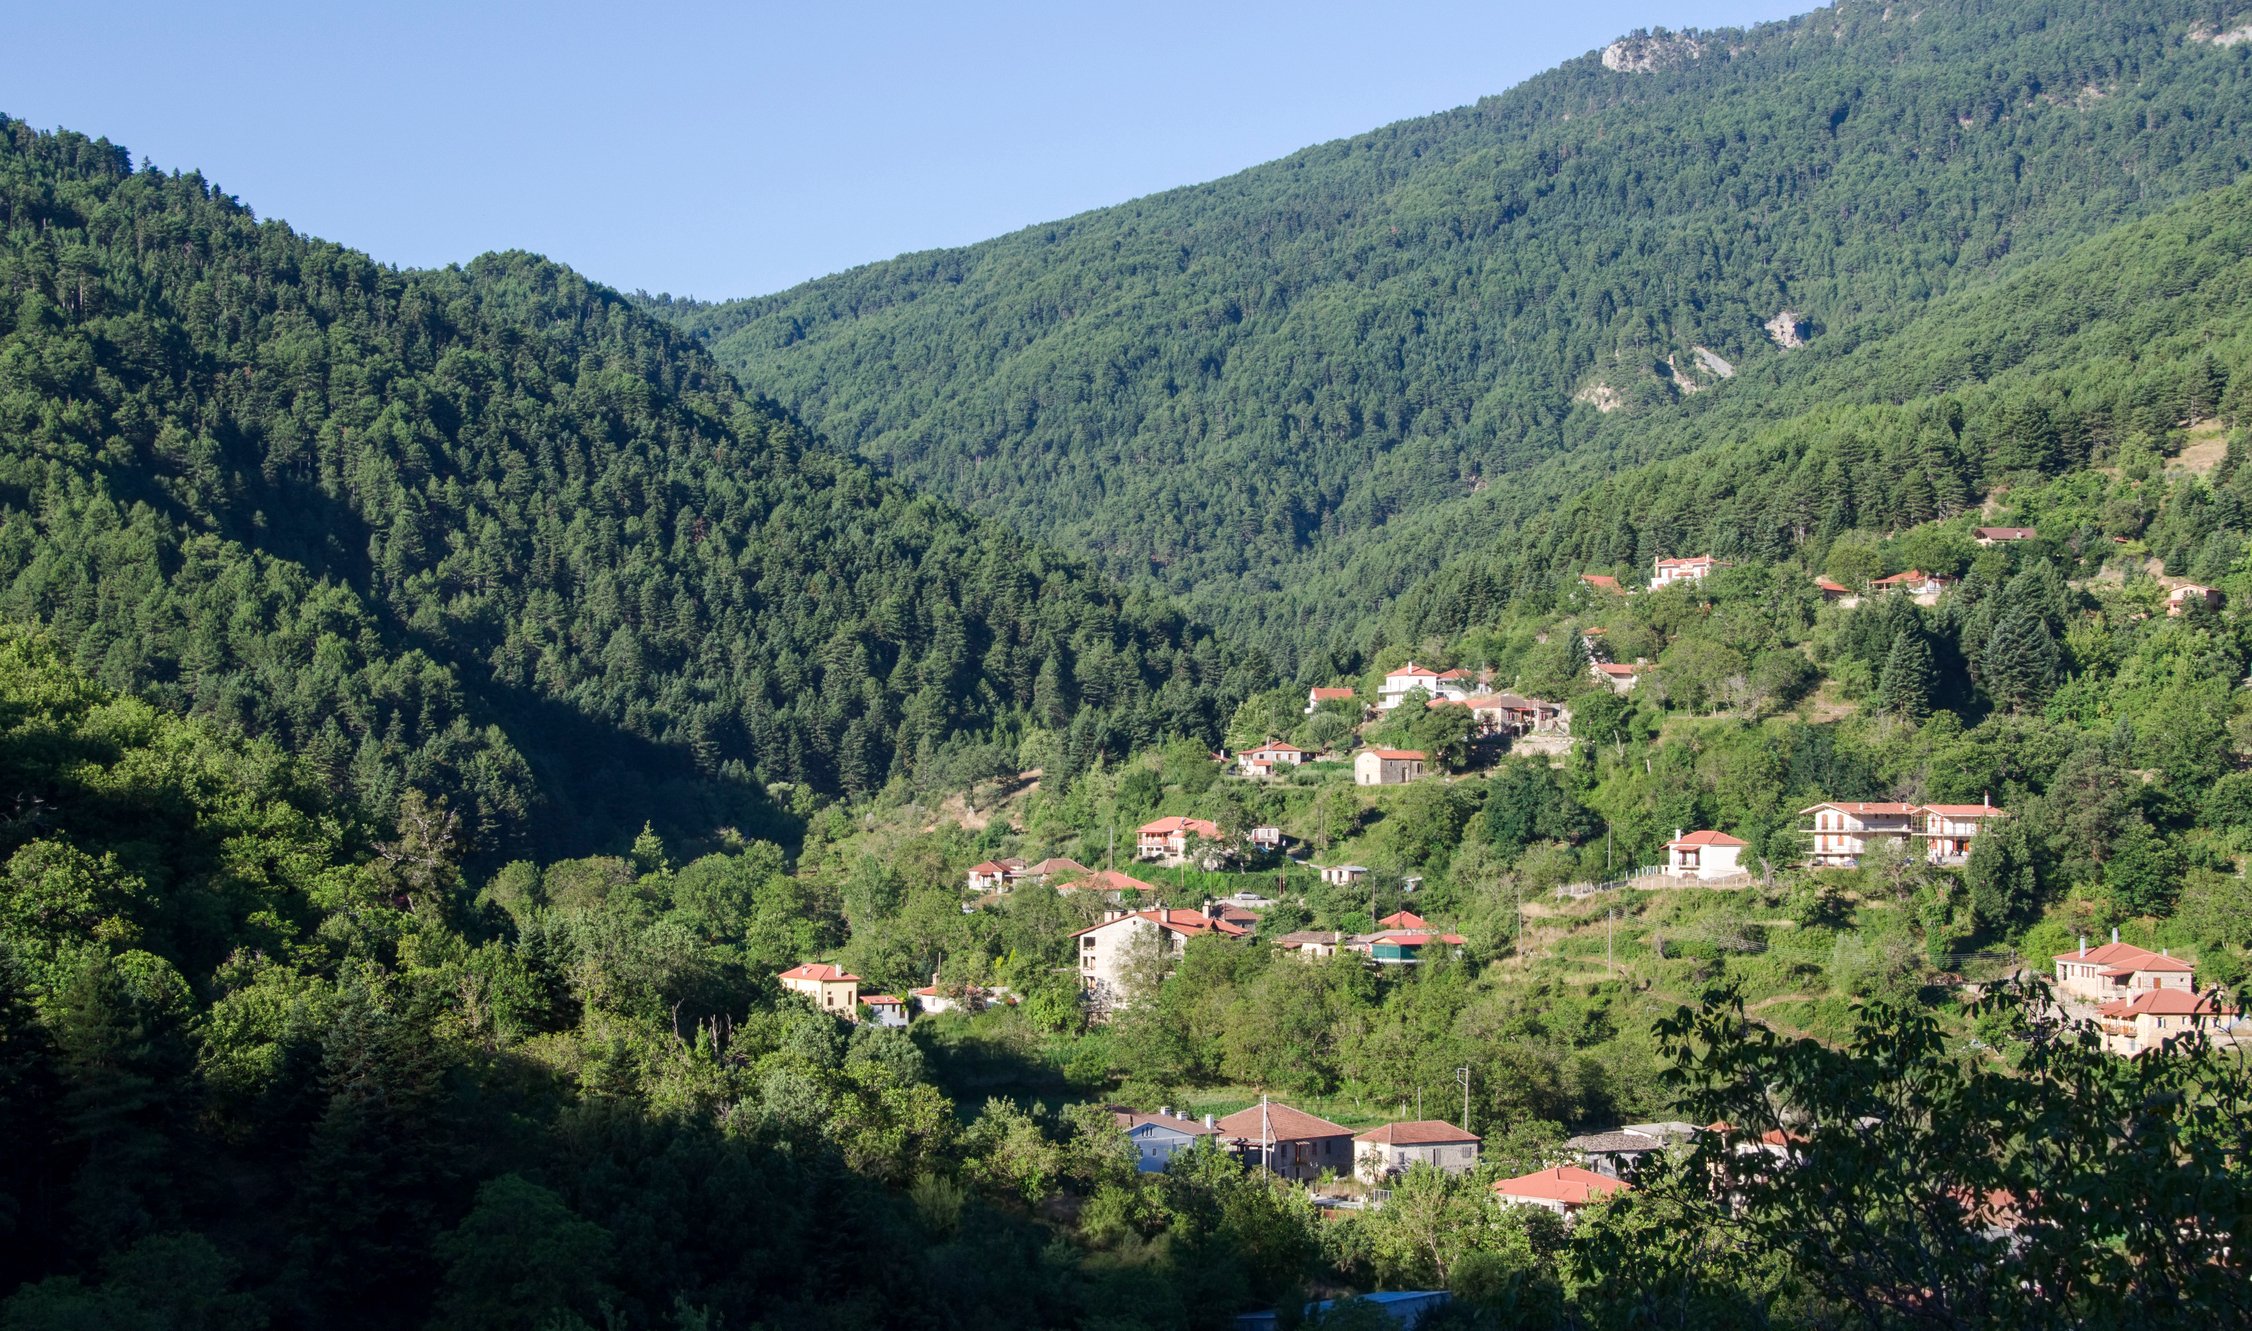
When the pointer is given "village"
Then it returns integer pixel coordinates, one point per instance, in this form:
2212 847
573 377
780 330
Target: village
2134 1000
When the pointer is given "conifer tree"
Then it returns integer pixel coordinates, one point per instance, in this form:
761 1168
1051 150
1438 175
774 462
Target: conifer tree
1905 688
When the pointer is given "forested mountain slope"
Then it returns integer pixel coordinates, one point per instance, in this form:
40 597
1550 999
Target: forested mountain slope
2101 355
1216 384
493 533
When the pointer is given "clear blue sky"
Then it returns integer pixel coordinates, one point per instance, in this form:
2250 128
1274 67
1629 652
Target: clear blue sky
728 150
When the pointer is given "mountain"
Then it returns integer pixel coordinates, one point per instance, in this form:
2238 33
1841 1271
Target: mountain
492 533
1232 389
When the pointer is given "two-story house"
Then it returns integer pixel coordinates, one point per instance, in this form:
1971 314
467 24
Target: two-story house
1451 685
1158 1137
2119 970
1269 758
1667 572
1168 839
1948 829
1844 831
2131 1026
833 989
1108 952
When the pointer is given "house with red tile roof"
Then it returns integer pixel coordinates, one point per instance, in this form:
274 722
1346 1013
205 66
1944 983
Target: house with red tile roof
1836 593
1388 1152
1403 947
2002 535
1704 855
1620 678
1168 839
1949 829
1270 757
1602 582
885 1009
1288 1142
2136 1025
1055 866
2119 970
1667 572
1924 587
1403 919
1564 1189
1451 685
833 989
1107 952
1317 696
1387 767
1112 884
995 875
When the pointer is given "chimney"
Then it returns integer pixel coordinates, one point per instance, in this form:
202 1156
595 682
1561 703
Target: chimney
1210 1122
2083 945
2115 934
1678 834
1165 1111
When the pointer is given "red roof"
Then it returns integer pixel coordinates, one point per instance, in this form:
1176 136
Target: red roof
989 867
1109 880
1692 561
1568 1184
2122 958
881 1000
2007 533
1186 826
1283 1123
1188 922
1422 1132
1903 579
2172 965
1278 747
1411 669
2165 1003
1399 755
822 971
1402 919
1600 580
1457 673
1706 839
1615 671
1859 808
1826 585
1966 810
1331 695
1418 939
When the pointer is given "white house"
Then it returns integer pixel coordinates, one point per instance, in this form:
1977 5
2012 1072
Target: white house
884 1009
1265 837
995 875
1387 767
1620 678
1158 1137
2179 600
1845 831
1667 572
1107 950
1169 838
1269 758
1387 1152
1344 875
1452 685
2002 535
1948 829
1924 588
1703 855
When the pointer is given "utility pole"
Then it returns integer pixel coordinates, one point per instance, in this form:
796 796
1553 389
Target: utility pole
1266 1139
1608 916
1112 858
1462 1074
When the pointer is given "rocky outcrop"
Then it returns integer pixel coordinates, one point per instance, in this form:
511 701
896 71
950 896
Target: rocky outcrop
1600 396
2229 35
1712 362
1647 52
1788 328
